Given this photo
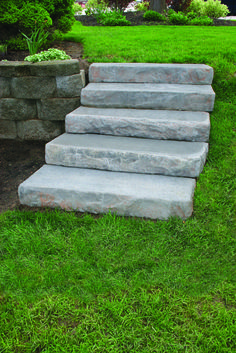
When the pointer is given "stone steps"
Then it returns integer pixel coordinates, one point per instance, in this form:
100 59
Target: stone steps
193 74
128 154
95 191
134 147
155 124
149 96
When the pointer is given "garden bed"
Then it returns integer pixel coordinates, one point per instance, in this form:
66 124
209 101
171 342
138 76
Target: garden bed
136 19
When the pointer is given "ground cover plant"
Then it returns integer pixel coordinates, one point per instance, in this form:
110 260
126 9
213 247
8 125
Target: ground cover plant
72 283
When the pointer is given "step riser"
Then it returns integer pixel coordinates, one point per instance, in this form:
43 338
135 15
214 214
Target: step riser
152 73
145 128
116 193
147 100
125 161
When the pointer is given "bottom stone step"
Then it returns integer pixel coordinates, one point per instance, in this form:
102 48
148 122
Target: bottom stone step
95 191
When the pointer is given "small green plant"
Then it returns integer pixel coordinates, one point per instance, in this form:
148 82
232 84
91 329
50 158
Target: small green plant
153 16
112 18
142 6
3 49
77 8
47 55
178 18
201 21
95 7
210 8
36 41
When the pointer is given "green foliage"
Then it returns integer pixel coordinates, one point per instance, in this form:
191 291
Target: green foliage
77 8
36 41
3 49
95 7
178 18
142 6
50 54
210 8
22 16
17 43
201 21
112 18
32 14
153 16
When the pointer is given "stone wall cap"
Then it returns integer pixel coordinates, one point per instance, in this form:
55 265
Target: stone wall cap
14 68
42 68
55 68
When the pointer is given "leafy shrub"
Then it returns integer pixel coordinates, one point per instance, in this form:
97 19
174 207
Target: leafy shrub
142 6
191 15
47 55
210 8
201 21
95 7
22 16
153 16
77 8
112 18
177 18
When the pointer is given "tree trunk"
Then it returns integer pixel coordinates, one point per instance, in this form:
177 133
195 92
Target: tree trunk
158 5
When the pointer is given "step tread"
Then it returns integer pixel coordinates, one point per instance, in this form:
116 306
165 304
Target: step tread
128 154
166 115
150 72
149 87
149 96
100 191
156 124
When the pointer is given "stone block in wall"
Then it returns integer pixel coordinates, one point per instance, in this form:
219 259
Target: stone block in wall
56 108
39 130
8 129
33 87
14 68
55 68
69 86
5 87
17 109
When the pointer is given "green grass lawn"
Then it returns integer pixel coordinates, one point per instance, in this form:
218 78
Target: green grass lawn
72 283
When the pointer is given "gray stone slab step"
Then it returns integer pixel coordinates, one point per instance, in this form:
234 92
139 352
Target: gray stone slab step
155 124
95 191
197 74
128 154
149 96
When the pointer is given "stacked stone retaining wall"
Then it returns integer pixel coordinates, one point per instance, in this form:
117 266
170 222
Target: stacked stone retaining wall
35 97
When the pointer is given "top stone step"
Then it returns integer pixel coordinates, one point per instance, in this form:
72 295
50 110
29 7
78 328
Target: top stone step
192 74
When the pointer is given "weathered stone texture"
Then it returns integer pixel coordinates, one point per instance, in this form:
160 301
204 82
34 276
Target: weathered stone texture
5 87
56 108
14 68
33 87
196 74
38 129
129 194
69 86
8 129
127 154
17 109
148 96
55 68
155 124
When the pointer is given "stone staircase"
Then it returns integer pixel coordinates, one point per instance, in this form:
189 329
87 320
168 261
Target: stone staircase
135 145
